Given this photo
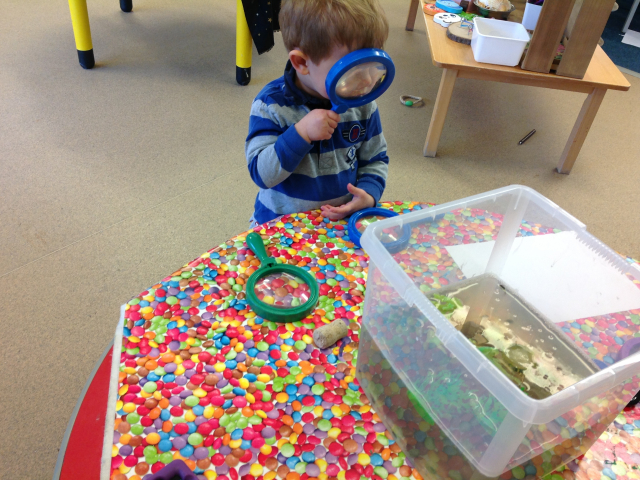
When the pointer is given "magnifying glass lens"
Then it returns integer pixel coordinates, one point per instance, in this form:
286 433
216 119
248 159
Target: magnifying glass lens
282 290
390 234
361 80
364 222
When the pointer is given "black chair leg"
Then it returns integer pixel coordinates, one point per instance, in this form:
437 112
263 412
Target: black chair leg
126 5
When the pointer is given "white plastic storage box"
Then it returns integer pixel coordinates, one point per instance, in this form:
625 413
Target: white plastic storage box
498 42
523 272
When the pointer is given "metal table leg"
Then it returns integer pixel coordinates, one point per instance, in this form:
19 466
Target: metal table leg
243 47
82 32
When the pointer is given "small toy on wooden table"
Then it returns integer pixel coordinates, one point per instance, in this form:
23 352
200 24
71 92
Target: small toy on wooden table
468 16
445 19
431 9
448 6
460 32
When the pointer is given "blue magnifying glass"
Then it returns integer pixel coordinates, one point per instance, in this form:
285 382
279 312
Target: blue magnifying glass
394 239
359 78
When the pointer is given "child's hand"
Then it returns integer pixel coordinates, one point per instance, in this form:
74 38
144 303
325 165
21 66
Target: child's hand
318 125
360 200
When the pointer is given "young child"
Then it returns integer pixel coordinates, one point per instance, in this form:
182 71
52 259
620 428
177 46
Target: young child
302 155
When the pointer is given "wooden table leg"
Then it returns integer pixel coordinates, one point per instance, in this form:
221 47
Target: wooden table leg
440 111
82 32
413 12
580 130
243 46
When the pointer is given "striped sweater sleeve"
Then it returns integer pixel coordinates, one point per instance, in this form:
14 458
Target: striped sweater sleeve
273 148
373 163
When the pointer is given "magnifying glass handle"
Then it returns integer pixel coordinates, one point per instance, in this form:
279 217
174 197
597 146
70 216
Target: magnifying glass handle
339 108
254 242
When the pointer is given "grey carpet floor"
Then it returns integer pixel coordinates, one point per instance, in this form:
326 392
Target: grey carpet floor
110 179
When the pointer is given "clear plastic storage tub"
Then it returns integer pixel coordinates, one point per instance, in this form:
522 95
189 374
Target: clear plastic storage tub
496 382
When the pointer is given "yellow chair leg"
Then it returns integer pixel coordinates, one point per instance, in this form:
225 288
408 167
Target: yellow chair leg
82 32
243 47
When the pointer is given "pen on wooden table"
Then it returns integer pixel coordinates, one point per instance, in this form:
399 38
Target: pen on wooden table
527 137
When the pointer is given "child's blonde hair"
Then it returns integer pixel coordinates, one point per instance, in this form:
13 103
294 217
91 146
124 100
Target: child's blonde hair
316 26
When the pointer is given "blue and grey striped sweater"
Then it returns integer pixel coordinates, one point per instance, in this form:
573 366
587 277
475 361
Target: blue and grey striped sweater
295 176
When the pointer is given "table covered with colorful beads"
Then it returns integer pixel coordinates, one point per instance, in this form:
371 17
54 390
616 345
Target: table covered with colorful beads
203 379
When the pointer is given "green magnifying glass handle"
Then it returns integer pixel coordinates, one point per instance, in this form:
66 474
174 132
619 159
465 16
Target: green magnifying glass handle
255 243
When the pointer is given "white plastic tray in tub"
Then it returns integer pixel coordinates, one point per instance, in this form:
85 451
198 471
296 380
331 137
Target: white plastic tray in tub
428 382
498 42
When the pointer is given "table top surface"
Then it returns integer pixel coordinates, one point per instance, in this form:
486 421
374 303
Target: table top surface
210 289
602 73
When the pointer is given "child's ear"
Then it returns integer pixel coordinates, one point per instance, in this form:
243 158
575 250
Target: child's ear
300 61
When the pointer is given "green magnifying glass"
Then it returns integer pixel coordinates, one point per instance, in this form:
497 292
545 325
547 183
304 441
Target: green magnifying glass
278 292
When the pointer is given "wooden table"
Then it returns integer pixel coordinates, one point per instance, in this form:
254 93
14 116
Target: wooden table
457 61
